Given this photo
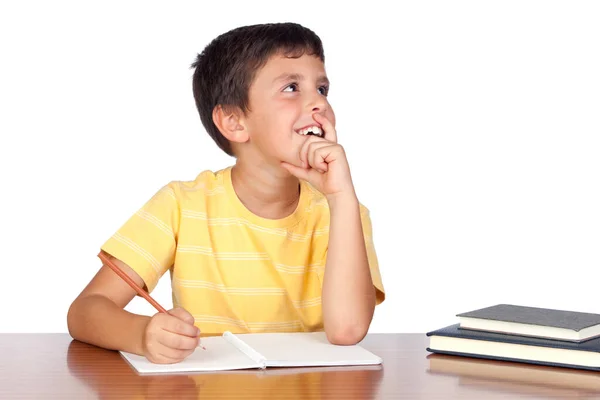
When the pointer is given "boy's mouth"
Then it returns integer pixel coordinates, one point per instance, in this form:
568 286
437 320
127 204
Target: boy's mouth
311 130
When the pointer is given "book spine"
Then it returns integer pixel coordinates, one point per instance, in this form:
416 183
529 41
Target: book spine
247 350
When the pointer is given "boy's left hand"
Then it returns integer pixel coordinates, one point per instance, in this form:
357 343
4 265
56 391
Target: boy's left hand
324 163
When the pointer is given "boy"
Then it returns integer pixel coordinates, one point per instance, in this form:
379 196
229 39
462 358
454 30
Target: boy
277 242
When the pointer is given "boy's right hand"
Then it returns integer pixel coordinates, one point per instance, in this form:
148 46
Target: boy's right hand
169 338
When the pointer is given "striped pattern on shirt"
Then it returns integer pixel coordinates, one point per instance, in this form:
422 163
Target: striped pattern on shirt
231 269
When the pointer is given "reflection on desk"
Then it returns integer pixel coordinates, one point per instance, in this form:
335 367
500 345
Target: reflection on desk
517 378
54 366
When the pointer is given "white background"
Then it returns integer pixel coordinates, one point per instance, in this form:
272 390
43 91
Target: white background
472 128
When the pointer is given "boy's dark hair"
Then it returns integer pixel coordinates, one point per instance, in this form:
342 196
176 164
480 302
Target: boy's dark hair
227 66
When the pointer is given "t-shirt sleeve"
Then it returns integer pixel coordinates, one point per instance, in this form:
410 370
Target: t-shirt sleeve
147 241
371 254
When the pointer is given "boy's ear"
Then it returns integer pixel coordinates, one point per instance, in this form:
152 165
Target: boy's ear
230 123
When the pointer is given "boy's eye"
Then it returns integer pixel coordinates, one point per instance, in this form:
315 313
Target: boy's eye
292 86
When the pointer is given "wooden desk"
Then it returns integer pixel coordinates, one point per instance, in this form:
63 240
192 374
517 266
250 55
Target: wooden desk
53 366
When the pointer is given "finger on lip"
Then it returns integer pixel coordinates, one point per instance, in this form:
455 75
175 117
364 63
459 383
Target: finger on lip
326 126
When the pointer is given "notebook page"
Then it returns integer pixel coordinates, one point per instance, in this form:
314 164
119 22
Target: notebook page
306 350
218 356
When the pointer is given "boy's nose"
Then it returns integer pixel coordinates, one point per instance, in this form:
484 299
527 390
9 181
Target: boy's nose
317 104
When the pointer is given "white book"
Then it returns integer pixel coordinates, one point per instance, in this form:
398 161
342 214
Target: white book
259 351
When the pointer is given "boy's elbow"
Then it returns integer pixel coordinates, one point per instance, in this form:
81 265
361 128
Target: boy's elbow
350 330
70 320
346 335
74 319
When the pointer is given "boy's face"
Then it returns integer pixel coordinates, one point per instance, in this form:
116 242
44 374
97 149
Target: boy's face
283 97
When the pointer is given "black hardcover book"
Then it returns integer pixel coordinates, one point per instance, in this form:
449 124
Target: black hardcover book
531 321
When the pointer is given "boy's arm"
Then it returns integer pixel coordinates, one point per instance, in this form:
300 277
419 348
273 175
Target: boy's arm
97 315
348 293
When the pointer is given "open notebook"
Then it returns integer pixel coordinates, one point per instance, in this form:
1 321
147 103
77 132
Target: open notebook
260 350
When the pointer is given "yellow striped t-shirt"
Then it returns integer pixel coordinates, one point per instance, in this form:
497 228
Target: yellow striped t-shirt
231 269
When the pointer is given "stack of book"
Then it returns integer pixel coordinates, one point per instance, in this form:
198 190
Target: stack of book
523 334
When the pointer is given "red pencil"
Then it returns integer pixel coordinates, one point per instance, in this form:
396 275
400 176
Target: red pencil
131 283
